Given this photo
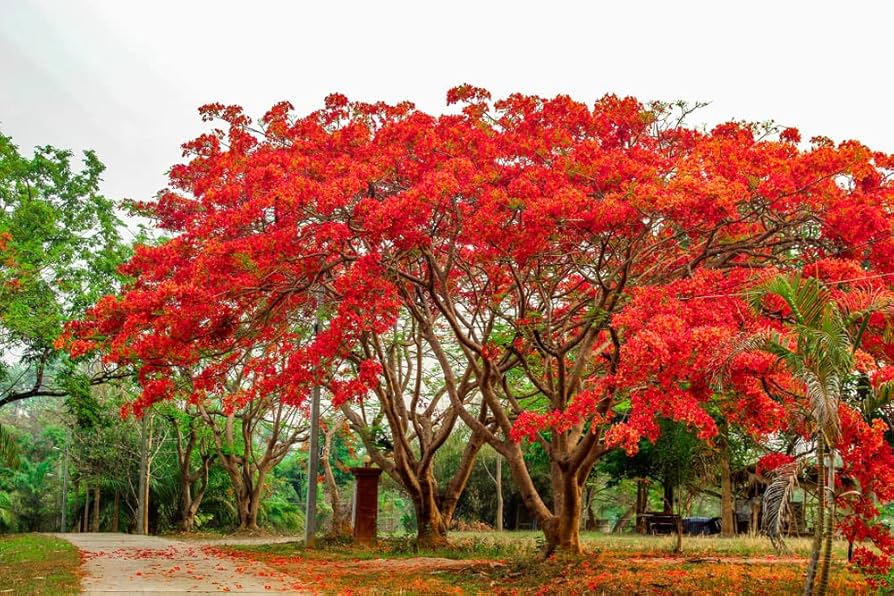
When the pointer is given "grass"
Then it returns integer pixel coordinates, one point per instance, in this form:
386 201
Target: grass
37 564
509 563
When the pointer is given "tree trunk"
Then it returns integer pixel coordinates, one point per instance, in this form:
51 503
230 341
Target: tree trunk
248 511
149 459
431 529
247 506
562 531
754 527
547 521
622 521
247 486
145 510
499 488
341 523
828 529
591 515
432 523
254 507
668 497
248 498
187 515
727 509
116 511
86 519
809 584
94 526
642 503
192 491
246 465
678 527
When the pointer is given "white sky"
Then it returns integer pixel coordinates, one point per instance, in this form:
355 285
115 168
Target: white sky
125 77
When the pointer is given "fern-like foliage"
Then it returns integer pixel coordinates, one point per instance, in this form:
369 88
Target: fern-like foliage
9 449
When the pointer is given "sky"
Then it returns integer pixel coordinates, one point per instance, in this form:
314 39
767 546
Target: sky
125 77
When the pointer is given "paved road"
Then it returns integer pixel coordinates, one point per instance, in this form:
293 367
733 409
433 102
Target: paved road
129 564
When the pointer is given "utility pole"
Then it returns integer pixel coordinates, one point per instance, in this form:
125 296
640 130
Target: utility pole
313 460
144 461
64 485
499 483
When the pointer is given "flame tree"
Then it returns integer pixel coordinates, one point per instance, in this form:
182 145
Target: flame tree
587 262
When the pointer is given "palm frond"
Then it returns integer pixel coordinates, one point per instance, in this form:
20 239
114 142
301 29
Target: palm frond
766 340
7 517
807 298
9 449
824 394
776 504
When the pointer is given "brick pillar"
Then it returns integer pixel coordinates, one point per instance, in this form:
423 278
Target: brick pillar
366 504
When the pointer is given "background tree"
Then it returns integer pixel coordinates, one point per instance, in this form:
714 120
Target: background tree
251 437
334 459
411 419
59 252
194 458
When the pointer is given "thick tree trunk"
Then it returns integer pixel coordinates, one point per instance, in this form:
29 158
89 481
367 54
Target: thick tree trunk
431 527
187 515
727 509
562 531
94 526
432 521
247 505
254 506
248 512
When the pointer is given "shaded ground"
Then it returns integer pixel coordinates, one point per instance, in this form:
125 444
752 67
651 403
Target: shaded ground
129 564
37 564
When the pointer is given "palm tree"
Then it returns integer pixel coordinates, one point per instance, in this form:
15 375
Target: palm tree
817 346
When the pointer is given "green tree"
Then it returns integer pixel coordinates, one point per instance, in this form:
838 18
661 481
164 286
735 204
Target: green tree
60 248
